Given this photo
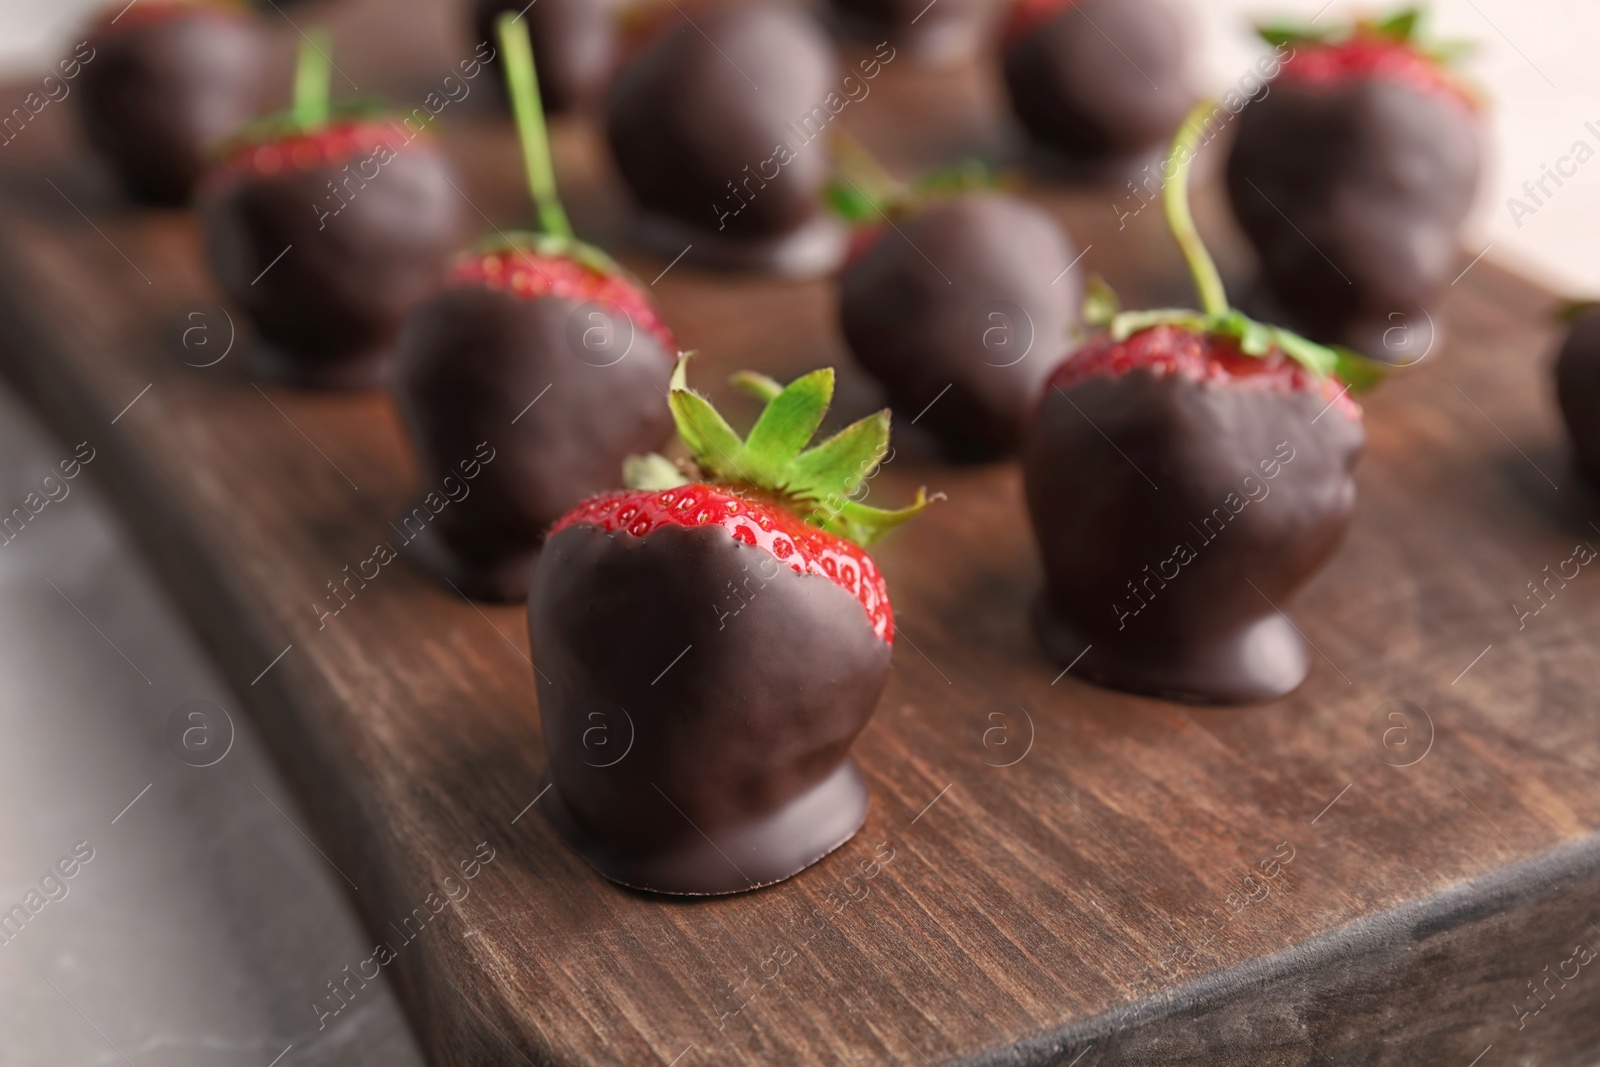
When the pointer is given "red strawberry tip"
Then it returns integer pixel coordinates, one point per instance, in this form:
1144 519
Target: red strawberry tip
122 16
275 144
533 265
751 519
1174 348
1392 47
1024 15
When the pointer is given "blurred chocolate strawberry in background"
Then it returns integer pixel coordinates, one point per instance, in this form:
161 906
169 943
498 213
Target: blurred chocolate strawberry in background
958 299
327 224
541 349
1097 83
1352 177
1577 373
163 82
719 130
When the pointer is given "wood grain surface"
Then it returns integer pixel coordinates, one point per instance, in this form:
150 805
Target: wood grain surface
1051 873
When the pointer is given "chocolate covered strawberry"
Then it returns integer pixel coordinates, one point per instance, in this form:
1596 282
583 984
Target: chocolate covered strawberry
162 82
1186 473
1097 83
729 635
960 308
574 42
715 129
1351 178
947 32
327 226
542 348
1578 385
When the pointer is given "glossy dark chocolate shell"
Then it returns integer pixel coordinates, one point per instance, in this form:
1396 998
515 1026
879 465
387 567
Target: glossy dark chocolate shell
1578 390
159 93
693 750
1123 474
328 311
962 314
695 123
1101 81
1353 196
574 47
470 362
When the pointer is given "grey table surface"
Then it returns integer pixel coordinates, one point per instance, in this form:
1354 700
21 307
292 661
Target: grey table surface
205 927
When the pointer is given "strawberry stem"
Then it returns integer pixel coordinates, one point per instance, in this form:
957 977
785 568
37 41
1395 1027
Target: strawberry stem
862 191
1207 281
523 81
313 73
817 482
862 168
1216 318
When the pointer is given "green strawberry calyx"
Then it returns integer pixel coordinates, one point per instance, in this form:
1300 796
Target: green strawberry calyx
1101 308
773 459
551 246
861 191
1403 26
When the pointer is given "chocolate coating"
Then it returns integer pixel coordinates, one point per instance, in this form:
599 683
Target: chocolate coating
470 361
1353 196
1578 390
327 313
161 90
1202 634
738 773
574 47
948 32
698 143
1101 80
968 295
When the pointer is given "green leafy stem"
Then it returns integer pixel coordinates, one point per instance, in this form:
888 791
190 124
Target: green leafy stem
776 457
313 81
1101 308
312 107
522 80
862 191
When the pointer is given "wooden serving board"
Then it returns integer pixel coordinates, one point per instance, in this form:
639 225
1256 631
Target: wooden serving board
1051 873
